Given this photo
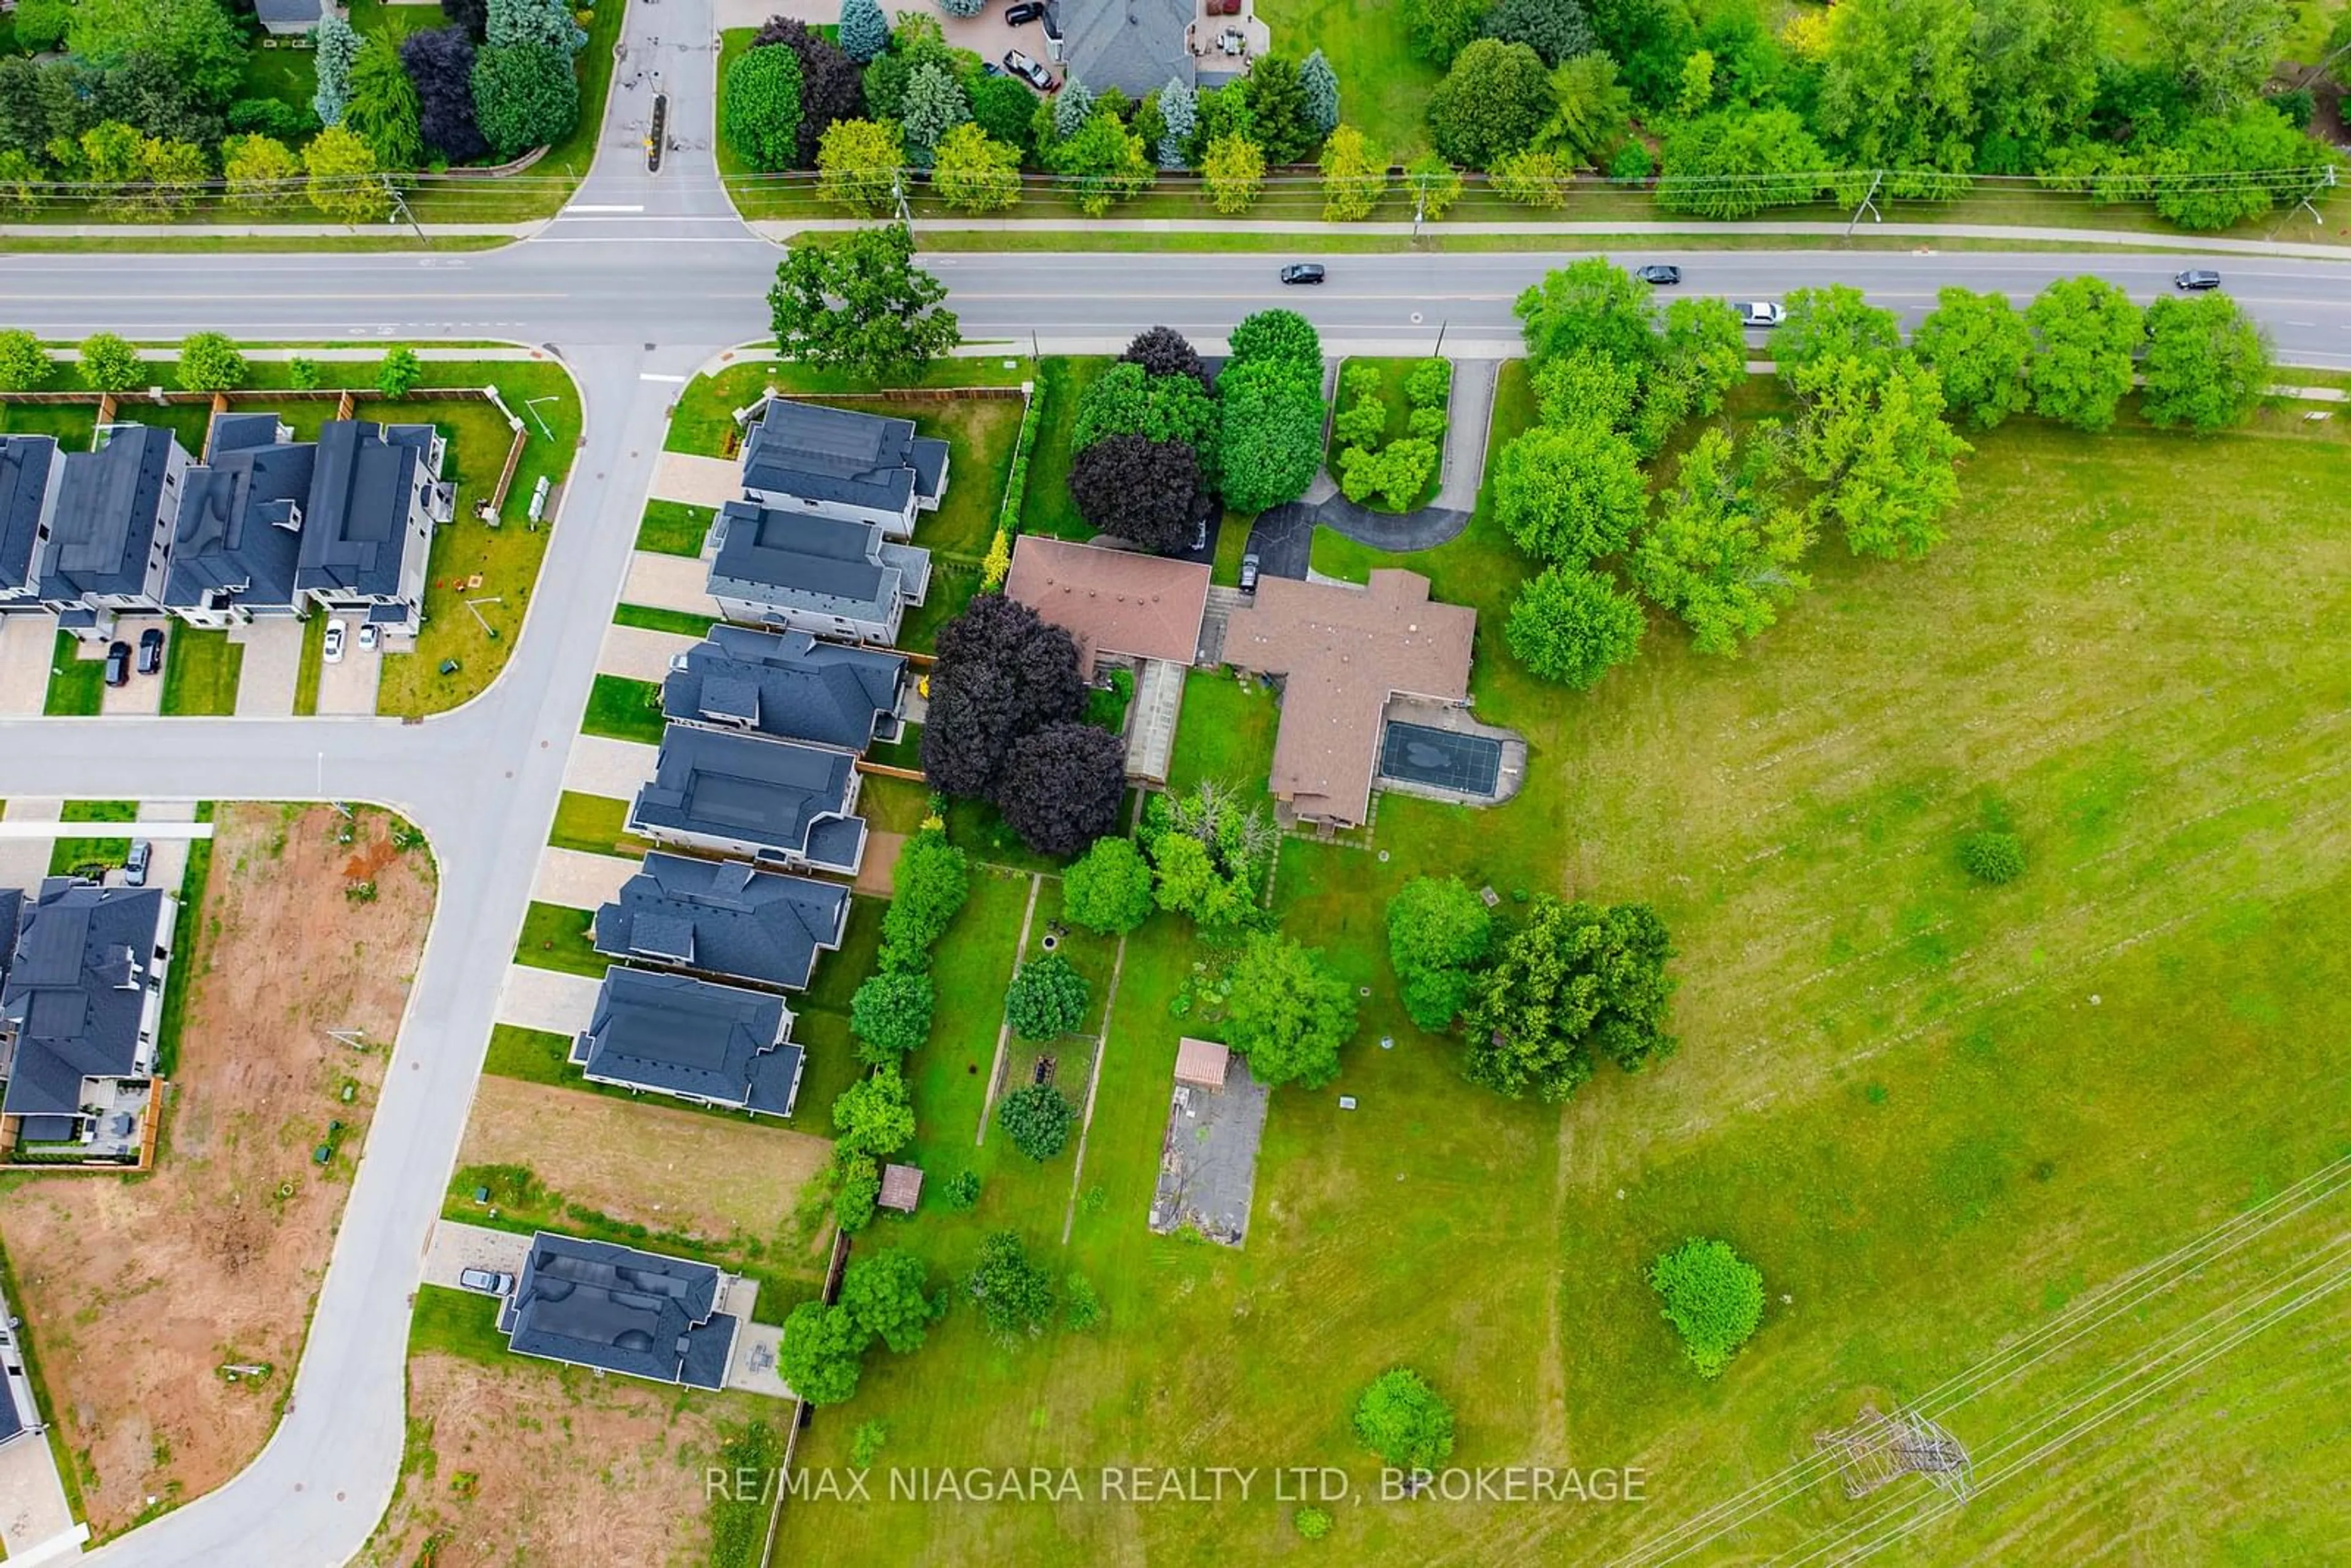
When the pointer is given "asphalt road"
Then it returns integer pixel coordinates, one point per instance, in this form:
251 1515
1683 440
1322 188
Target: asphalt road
639 284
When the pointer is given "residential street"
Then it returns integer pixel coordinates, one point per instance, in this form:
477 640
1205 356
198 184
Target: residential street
641 285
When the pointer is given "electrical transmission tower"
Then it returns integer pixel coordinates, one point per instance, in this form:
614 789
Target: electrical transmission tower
1876 1450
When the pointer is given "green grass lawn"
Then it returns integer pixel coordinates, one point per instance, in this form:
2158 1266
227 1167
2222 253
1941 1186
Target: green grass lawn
199 672
1061 381
622 709
1381 88
312 668
290 75
71 856
704 421
593 825
648 617
673 528
557 937
456 1322
1931 1113
77 686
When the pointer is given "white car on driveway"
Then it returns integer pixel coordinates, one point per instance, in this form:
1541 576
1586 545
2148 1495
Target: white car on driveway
333 652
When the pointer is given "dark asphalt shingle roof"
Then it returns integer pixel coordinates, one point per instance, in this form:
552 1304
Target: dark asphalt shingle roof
26 464
76 989
837 454
596 1304
1133 45
110 503
829 565
355 524
787 685
678 1035
724 918
11 1424
238 529
773 794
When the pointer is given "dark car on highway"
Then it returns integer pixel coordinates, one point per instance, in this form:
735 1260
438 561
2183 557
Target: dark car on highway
151 650
118 664
1663 276
1021 15
2196 277
1303 272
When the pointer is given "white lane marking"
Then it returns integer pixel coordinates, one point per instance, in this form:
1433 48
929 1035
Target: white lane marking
656 376
602 207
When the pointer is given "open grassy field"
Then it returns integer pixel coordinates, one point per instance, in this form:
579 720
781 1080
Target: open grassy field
1935 1115
1383 88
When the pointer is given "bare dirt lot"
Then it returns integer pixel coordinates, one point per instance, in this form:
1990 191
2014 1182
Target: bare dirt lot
530 1464
138 1292
708 1177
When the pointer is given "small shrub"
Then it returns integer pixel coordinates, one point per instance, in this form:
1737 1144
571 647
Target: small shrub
1713 1297
1048 998
860 1192
1993 857
1038 1119
865 1443
960 1192
1313 1523
304 375
1082 1309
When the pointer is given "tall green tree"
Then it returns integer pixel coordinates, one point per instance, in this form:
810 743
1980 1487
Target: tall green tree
1400 1417
860 305
1495 100
1592 111
936 104
383 110
524 96
1834 322
2036 80
763 107
1441 29
858 163
2208 364
1713 1297
1570 979
1898 89
1735 163
1872 438
884 1295
874 1116
344 182
1015 1296
1571 625
108 363
2085 331
1288 1013
823 1352
1109 889
1569 496
197 38
1103 164
1588 304
1439 933
1715 556
973 172
1275 92
2222 50
1979 344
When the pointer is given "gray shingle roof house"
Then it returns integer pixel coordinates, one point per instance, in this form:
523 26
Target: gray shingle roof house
239 538
82 999
789 686
671 1034
836 463
724 918
376 496
832 577
777 802
592 1303
291 17
1133 45
20 1413
29 472
110 533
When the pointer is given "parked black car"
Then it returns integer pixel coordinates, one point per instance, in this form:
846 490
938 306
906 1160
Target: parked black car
151 650
1303 272
1663 276
1021 15
2196 277
118 664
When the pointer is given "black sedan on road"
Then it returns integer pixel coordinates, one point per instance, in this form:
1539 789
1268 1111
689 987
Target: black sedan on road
1303 272
2196 278
1663 276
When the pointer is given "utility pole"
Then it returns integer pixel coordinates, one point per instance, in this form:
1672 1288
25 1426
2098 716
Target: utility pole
1868 203
898 194
400 205
1419 211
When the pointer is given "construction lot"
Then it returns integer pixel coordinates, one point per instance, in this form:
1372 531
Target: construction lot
141 1294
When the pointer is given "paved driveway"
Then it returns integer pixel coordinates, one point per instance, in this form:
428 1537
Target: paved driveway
670 582
349 686
457 1247
578 881
612 769
640 654
33 1511
697 481
26 645
167 865
143 693
272 668
24 862
547 999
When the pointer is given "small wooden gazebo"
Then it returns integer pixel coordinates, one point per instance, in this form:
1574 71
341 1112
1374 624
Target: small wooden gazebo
902 1187
1201 1063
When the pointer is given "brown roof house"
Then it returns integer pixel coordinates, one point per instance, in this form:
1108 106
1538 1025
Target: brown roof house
1115 602
1342 654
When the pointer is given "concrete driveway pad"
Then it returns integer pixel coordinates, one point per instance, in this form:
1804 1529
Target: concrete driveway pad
578 881
670 582
36 1523
612 769
24 862
697 481
455 1247
272 667
547 999
349 686
26 643
640 654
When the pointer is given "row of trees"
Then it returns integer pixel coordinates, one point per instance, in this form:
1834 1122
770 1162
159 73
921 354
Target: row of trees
1935 90
141 108
1538 994
205 363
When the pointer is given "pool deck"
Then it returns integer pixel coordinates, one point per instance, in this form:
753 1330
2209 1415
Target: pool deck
1511 775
